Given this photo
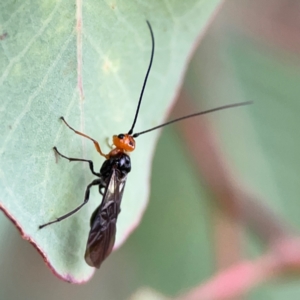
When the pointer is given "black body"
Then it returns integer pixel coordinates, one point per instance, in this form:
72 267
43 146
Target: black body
121 161
103 221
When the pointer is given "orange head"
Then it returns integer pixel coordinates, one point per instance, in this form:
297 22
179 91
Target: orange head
124 142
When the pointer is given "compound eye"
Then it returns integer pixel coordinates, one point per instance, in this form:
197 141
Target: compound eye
121 136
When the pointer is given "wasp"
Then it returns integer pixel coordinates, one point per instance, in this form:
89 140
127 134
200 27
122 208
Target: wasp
111 180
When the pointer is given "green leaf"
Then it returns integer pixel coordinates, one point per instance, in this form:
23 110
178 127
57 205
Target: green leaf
85 62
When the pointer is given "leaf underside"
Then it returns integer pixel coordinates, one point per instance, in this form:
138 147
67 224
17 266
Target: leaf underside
85 62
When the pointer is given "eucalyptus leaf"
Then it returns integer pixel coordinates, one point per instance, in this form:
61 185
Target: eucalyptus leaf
85 62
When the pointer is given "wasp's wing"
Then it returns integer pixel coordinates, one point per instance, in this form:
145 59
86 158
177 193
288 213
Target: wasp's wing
103 221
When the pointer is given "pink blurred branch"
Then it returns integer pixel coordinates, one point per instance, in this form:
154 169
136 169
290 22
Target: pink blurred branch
238 279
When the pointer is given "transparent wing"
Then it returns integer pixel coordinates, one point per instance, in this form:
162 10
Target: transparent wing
103 221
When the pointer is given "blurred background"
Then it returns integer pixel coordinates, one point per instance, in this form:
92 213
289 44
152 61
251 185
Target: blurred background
189 230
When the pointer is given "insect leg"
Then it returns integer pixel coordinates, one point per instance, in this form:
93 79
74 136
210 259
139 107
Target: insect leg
97 146
78 159
102 190
108 144
86 199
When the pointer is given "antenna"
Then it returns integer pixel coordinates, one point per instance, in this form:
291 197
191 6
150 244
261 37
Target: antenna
194 115
145 80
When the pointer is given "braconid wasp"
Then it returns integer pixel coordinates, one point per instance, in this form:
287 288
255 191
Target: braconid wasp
111 180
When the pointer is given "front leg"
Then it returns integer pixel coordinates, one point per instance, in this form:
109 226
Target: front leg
111 146
96 144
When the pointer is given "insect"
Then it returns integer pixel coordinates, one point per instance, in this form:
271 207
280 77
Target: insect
111 180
